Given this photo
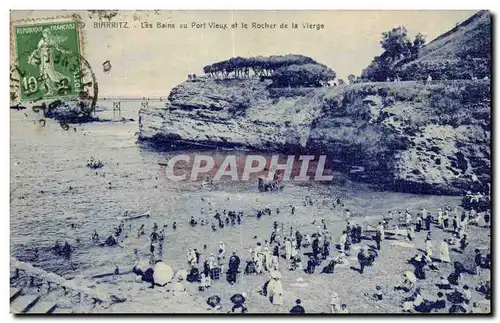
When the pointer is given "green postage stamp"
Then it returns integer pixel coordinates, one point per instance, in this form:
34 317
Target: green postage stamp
48 59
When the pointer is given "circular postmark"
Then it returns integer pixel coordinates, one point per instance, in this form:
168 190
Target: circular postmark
50 73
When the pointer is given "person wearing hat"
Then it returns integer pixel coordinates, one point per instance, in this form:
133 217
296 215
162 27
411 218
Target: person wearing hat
335 303
361 259
234 263
418 223
379 295
297 309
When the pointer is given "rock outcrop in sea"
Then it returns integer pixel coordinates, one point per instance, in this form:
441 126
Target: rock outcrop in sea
413 137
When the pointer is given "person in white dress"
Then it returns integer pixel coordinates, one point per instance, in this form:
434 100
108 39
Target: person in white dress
428 247
342 240
335 303
288 249
277 293
444 255
222 250
267 258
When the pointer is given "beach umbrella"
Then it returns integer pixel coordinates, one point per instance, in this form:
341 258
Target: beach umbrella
163 273
276 274
410 276
238 299
213 301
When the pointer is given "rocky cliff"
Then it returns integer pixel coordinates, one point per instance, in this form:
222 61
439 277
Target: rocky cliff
408 136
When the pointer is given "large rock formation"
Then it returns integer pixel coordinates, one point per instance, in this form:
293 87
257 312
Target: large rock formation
411 136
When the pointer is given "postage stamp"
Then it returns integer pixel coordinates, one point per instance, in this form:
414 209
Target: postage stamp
48 54
48 64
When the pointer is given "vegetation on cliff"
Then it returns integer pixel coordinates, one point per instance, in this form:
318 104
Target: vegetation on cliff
287 70
397 49
464 52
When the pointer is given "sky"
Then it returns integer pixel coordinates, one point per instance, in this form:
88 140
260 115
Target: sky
149 62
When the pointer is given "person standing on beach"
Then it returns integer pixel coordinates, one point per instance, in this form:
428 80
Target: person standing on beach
428 221
359 232
408 217
463 243
478 260
418 223
335 303
378 239
428 246
234 263
288 249
298 237
487 217
361 260
342 240
444 252
380 228
315 247
440 218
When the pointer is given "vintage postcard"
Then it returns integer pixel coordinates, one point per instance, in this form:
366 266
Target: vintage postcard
258 162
